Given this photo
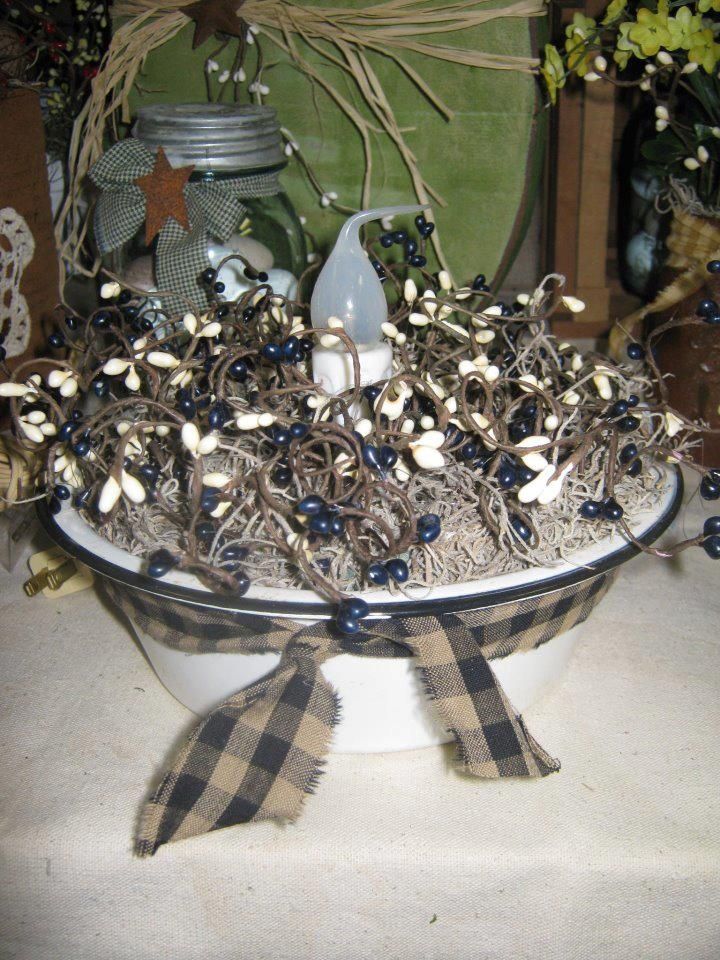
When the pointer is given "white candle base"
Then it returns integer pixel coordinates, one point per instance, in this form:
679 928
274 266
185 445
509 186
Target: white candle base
333 369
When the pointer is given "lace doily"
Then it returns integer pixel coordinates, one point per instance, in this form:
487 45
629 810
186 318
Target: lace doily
17 247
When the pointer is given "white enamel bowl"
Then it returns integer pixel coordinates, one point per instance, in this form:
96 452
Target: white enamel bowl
384 707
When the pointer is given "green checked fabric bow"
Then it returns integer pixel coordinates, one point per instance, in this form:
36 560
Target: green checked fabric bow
214 207
260 752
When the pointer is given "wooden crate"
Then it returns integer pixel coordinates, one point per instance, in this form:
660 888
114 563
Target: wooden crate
580 222
28 259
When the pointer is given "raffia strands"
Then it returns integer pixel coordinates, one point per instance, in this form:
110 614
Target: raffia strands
342 37
693 241
19 471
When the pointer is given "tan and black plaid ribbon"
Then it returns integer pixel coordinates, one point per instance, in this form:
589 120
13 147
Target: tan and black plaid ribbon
214 206
261 751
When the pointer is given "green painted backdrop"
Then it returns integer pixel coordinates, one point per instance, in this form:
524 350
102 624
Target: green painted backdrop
485 162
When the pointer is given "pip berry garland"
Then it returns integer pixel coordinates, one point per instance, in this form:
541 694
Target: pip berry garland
209 426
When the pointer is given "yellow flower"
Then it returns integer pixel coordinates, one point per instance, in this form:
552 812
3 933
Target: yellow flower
705 5
579 35
581 27
553 71
580 58
703 50
581 61
682 27
616 7
621 58
625 48
651 30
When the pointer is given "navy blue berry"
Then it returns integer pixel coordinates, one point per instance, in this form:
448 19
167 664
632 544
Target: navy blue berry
205 530
521 528
355 607
628 452
709 488
706 307
160 562
398 570
321 523
311 505
272 352
371 457
711 526
612 510
347 624
388 457
282 476
377 574
711 546
238 370
506 477
298 430
628 423
429 527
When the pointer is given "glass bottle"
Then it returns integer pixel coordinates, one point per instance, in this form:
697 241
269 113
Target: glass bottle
642 222
226 144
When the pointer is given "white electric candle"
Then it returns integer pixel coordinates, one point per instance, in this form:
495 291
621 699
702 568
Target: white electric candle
349 290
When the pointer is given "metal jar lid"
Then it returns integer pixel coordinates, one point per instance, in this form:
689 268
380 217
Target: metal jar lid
212 136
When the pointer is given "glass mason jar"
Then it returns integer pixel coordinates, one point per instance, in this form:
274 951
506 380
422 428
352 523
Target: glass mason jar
642 225
237 148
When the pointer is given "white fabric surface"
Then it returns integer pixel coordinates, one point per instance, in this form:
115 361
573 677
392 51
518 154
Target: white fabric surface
395 856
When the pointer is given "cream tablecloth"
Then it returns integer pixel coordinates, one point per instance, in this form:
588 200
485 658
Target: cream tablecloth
395 856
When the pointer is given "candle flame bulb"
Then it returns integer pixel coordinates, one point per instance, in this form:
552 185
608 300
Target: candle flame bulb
348 286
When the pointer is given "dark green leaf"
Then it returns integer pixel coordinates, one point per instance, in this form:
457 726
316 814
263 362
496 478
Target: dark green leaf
663 150
708 92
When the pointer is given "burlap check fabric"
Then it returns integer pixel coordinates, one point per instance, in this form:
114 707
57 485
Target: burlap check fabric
261 751
215 209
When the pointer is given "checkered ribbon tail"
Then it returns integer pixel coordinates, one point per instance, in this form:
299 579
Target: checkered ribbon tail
215 209
260 752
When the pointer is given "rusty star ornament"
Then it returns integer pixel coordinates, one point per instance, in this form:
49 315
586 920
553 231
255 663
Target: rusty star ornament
164 196
214 16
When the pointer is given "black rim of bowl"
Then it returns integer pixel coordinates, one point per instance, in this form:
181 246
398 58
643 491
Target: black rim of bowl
324 610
